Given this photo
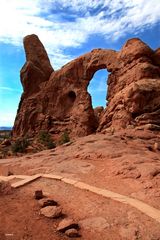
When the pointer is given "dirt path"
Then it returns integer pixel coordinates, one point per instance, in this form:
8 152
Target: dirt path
141 206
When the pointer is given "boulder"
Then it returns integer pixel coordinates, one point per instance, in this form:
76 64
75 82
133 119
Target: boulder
38 194
98 111
44 202
66 224
72 233
51 211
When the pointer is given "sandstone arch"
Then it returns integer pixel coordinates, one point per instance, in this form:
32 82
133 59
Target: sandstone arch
134 72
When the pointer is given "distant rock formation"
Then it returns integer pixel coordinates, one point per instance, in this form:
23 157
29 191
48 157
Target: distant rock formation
56 101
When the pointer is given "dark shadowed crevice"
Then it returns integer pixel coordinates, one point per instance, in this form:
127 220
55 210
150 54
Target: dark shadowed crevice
71 96
67 102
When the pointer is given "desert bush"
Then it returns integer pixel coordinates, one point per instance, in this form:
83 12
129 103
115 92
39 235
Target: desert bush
50 144
20 145
5 134
46 140
64 138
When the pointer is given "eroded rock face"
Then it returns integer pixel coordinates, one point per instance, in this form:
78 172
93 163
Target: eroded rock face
37 68
133 90
58 100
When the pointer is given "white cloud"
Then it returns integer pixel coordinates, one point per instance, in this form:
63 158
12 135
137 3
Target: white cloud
110 18
58 59
7 118
61 24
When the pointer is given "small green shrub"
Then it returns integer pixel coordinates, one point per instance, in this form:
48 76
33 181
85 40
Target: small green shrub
20 145
46 140
43 136
50 144
64 138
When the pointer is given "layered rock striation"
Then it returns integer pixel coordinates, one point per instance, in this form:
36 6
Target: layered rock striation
56 101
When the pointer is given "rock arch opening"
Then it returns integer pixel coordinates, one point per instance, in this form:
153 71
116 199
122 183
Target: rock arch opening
97 88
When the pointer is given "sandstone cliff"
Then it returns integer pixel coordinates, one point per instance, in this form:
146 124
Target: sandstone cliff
58 100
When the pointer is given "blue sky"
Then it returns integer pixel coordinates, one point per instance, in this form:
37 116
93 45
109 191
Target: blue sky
68 29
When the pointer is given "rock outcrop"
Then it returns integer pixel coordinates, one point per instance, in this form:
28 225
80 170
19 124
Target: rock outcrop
56 101
134 88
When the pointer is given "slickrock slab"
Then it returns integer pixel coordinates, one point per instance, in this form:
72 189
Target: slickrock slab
25 181
20 176
52 176
3 178
69 181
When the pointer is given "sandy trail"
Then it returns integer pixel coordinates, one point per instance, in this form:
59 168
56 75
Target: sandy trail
141 206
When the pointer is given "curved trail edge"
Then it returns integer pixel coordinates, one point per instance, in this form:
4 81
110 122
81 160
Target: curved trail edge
141 206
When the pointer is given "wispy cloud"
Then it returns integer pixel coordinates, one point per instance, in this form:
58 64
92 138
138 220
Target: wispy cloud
61 23
100 86
10 89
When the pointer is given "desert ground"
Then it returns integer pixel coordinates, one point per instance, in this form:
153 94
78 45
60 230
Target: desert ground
124 162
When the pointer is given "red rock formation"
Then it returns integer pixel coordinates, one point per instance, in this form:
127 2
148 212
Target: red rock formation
37 68
134 88
58 100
